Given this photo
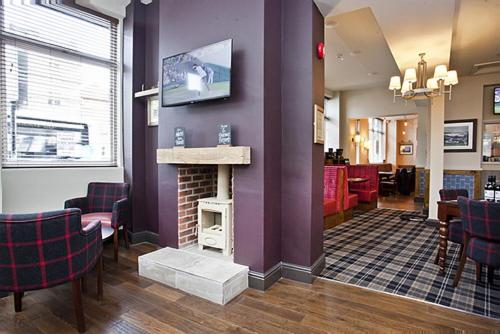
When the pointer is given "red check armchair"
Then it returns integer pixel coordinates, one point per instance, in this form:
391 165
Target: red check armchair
41 250
109 203
481 226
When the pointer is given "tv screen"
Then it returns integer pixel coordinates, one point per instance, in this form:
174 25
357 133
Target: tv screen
496 102
198 75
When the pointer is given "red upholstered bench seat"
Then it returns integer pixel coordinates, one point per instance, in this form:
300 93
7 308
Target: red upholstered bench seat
366 196
352 201
330 207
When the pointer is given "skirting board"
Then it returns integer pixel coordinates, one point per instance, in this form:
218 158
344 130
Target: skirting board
301 273
144 236
262 281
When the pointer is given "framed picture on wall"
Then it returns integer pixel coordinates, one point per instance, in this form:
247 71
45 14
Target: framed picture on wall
460 135
406 149
319 125
153 109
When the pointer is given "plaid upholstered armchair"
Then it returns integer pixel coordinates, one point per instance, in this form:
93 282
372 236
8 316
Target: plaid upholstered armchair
41 250
109 203
481 225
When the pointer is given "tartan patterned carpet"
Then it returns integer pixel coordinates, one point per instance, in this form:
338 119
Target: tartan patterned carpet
379 251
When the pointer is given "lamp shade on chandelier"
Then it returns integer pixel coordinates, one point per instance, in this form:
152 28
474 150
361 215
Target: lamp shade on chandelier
416 85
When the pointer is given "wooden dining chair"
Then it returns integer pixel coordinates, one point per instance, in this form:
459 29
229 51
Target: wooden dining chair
455 229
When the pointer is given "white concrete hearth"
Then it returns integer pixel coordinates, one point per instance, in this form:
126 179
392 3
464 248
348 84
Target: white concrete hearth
213 279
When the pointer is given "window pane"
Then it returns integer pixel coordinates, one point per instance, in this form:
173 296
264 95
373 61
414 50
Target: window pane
60 105
56 28
57 108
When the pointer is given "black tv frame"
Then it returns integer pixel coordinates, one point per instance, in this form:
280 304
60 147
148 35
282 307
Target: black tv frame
160 91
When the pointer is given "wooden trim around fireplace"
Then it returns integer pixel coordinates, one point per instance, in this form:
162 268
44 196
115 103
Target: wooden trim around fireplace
220 155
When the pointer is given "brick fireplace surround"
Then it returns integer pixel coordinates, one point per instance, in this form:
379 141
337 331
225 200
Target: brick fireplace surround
194 182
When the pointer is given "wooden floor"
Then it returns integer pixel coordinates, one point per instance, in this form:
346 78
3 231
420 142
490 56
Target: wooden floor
399 202
135 305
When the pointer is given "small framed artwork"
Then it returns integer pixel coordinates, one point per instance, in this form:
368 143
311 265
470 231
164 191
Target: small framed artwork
319 125
406 149
460 135
153 109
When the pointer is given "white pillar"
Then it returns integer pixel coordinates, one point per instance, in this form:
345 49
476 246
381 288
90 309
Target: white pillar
223 182
436 153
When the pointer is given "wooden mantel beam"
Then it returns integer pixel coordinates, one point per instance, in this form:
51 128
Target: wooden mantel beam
220 155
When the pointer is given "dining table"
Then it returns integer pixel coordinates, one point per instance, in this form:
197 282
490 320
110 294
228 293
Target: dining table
352 180
447 210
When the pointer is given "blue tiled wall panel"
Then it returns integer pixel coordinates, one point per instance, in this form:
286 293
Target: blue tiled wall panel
453 181
421 181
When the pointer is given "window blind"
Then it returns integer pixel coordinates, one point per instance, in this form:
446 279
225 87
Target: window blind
58 86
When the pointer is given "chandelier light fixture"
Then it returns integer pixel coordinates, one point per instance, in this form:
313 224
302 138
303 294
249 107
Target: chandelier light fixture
416 85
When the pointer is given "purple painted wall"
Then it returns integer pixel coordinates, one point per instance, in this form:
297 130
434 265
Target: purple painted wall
275 81
151 132
184 26
133 110
302 161
140 58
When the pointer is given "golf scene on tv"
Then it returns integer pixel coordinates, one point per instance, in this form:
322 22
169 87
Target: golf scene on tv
199 75
496 103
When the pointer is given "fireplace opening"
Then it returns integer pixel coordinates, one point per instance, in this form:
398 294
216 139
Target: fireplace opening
205 207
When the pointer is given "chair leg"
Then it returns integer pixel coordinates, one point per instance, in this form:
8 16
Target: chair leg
18 301
125 236
99 279
463 259
77 304
479 269
84 284
115 244
491 272
461 251
436 261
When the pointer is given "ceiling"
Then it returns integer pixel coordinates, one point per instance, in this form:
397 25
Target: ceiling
458 33
357 52
476 35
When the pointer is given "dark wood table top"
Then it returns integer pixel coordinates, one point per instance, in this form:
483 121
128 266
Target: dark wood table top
357 180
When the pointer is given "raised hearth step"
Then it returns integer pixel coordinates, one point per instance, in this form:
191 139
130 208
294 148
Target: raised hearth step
216 280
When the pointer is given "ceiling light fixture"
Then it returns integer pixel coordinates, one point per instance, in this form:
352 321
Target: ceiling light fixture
416 85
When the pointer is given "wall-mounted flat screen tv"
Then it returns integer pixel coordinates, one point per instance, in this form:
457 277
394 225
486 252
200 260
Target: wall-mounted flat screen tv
496 102
199 75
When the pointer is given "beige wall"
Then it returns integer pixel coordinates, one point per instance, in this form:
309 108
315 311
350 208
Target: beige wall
391 141
470 100
41 189
364 132
377 102
410 136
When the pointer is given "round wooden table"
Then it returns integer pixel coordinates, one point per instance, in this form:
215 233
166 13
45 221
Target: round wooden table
357 180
